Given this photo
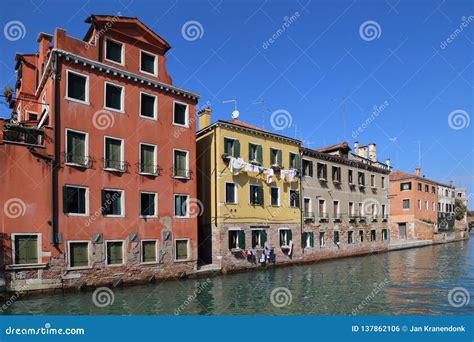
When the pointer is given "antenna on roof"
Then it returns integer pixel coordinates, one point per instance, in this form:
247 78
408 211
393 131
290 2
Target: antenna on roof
235 113
264 110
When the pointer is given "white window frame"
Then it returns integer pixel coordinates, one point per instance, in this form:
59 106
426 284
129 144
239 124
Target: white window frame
351 212
89 264
338 213
39 249
68 71
174 206
107 253
122 97
236 229
289 199
122 54
188 240
156 63
186 125
307 242
187 163
86 152
86 199
122 203
323 244
420 204
288 241
155 204
155 107
122 152
155 161
310 205
235 193
309 163
156 252
403 199
279 196
325 211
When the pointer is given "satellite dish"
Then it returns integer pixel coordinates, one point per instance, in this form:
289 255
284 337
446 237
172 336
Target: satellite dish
235 114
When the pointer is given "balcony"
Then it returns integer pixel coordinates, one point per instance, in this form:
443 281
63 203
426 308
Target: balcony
148 169
115 165
23 135
384 218
374 218
362 219
352 218
181 173
308 216
78 160
323 217
337 218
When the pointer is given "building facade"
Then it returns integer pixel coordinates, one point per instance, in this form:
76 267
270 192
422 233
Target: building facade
344 201
249 187
98 162
446 199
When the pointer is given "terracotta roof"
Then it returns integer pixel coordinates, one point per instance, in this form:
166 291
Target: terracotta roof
341 146
246 125
399 175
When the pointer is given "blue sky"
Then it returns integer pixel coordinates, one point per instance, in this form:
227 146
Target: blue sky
321 71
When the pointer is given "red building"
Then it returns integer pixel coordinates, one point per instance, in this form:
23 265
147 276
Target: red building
97 171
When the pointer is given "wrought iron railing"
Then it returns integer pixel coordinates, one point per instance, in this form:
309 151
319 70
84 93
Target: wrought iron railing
23 135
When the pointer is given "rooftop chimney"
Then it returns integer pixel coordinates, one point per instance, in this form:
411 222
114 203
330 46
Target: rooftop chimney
387 162
372 153
417 171
204 116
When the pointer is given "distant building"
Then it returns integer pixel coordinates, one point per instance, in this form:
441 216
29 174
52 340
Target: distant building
460 195
345 201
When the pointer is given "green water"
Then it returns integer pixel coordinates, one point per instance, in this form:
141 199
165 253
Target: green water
414 281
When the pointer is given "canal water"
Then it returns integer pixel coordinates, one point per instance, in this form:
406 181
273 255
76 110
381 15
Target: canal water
407 282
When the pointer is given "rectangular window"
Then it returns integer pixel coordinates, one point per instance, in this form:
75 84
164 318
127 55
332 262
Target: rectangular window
406 204
322 170
236 239
427 205
180 114
231 147
419 204
256 195
113 51
308 239
336 174
307 211
149 248
148 204
336 237
275 196
76 148
181 205
351 210
32 116
285 237
372 235
182 249
26 249
382 182
148 163
114 252
148 63
350 237
79 254
77 87
259 237
336 209
322 208
322 239
405 186
294 199
275 157
361 179
420 187
361 235
383 211
384 234
255 154
148 106
113 151
180 160
372 181
231 193
112 203
74 200
114 95
307 168
427 189
350 176
293 161
433 190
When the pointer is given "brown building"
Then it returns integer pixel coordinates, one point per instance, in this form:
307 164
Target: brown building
98 162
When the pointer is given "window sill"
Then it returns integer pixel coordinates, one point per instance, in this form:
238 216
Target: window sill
114 170
115 62
77 101
231 203
149 263
149 174
76 214
182 177
82 166
154 118
114 216
148 216
115 265
25 266
181 217
148 73
180 125
121 111
79 268
182 260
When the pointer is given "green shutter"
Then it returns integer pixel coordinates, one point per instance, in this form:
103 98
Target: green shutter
311 168
230 239
260 195
236 149
226 143
290 235
297 199
79 254
104 200
259 154
264 237
254 238
114 253
26 249
149 251
65 201
311 239
250 152
303 239
279 158
298 162
241 239
325 172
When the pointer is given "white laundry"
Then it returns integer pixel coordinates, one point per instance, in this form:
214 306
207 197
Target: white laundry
248 167
291 174
236 165
283 174
269 175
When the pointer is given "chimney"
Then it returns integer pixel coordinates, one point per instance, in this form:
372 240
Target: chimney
417 171
372 153
356 147
387 162
204 116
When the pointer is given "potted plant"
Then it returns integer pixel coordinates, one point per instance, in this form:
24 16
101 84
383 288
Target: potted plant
8 93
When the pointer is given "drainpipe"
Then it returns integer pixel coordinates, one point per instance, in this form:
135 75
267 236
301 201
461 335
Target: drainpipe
56 152
301 200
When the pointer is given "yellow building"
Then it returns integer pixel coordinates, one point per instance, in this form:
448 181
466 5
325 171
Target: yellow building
249 186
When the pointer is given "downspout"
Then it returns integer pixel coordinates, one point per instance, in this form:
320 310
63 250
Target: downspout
56 152
301 199
215 175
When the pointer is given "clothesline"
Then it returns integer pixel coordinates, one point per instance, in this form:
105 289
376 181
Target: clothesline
236 165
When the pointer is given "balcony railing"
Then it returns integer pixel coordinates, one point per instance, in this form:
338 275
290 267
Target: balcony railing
74 159
308 216
115 165
337 218
374 218
362 218
384 218
352 218
181 173
23 135
323 217
148 169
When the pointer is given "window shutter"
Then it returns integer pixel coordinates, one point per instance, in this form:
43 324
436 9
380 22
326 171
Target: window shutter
311 168
236 149
260 195
65 201
297 162
104 200
241 239
264 237
254 238
325 171
230 239
226 143
304 238
259 154
297 199
279 158
311 239
290 235
250 152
